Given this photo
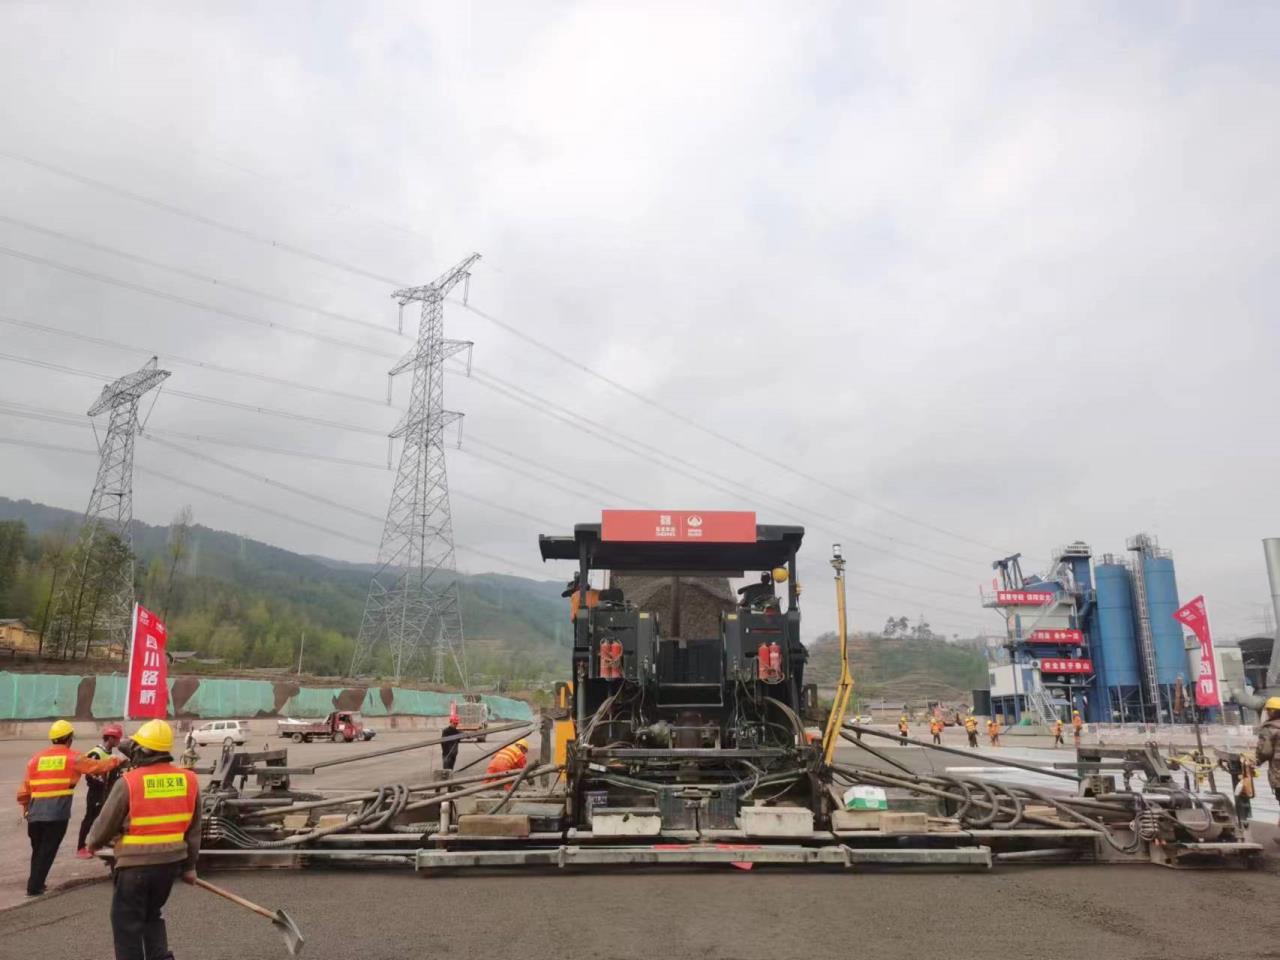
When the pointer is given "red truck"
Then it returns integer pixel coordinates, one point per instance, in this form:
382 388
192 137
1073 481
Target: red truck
339 726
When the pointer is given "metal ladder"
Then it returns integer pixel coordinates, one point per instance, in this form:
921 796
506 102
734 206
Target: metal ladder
1146 640
1043 705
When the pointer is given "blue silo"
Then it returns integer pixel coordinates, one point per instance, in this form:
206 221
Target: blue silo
1166 632
1115 643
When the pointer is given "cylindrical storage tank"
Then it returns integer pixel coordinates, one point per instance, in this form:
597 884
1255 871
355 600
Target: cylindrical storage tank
1166 632
1116 645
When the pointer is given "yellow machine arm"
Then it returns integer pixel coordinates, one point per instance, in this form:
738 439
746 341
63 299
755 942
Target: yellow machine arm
840 705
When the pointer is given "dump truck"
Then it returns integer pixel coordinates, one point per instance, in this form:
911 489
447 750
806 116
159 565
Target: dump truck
339 726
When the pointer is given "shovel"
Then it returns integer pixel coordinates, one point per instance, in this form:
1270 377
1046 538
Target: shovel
280 920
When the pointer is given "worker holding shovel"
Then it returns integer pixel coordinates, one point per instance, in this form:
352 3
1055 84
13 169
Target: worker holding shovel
152 820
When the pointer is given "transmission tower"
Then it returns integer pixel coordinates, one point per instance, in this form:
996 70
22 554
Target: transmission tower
96 604
413 597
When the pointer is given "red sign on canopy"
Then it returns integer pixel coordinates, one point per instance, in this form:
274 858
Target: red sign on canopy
1195 616
1024 598
1066 665
147 692
1056 636
679 526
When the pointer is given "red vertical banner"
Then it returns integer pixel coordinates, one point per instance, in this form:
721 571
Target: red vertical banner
1195 617
147 691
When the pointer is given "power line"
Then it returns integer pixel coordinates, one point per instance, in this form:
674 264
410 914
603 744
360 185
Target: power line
533 341
188 361
188 302
196 217
195 275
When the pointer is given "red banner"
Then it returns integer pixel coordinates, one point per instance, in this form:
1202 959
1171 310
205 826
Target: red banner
1056 636
147 692
1066 665
681 526
1194 616
1024 598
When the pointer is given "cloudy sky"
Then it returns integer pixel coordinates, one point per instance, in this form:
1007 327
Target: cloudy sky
939 282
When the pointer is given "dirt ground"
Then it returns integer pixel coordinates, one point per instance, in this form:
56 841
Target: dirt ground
1131 911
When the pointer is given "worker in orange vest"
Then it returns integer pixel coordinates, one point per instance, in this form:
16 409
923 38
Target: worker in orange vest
46 794
1057 733
1076 726
152 821
993 731
509 758
902 725
574 592
935 728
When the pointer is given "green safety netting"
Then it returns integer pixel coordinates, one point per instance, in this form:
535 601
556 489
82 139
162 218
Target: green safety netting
37 696
27 696
229 698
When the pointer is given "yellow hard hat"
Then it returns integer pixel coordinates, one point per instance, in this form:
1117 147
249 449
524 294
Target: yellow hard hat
1273 703
59 729
1075 713
155 735
523 744
780 574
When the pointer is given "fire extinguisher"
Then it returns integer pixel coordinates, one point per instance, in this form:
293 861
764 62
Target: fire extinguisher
762 662
615 656
775 660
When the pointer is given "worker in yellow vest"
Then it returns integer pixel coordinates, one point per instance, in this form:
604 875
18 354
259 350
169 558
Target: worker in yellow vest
1057 733
152 821
902 725
46 794
971 729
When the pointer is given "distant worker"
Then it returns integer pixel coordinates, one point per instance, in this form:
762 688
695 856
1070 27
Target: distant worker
46 794
1057 733
152 821
935 728
993 731
1268 749
902 725
971 728
574 592
1076 726
449 748
508 759
98 785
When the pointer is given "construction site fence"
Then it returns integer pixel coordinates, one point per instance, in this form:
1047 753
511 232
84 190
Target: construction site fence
36 696
1212 734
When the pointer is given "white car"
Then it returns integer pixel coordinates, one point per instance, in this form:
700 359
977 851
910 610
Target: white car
220 732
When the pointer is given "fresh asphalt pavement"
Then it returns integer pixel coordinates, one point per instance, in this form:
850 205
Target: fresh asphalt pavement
1133 911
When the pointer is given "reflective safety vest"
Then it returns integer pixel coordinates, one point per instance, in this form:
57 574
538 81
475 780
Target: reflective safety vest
971 725
507 759
52 773
162 801
1076 723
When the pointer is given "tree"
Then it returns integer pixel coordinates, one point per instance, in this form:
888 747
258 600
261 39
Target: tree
896 627
179 534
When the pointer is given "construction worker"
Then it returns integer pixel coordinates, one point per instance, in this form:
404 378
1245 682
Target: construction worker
449 748
993 731
46 794
509 758
902 726
1268 749
971 728
574 592
152 821
1057 733
935 728
98 786
1076 726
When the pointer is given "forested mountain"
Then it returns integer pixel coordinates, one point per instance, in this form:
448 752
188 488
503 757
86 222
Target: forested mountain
249 603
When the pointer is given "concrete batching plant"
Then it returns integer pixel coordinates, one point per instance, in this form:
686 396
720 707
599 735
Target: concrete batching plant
1100 637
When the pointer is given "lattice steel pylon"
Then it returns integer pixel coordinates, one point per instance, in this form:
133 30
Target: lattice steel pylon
413 597
96 605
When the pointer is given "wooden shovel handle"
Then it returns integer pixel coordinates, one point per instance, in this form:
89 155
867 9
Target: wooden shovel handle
247 904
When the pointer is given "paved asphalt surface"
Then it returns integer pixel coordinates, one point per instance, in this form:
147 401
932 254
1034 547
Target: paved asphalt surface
1130 911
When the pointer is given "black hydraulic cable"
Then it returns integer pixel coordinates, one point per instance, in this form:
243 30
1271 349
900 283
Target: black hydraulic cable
418 745
502 746
876 753
479 788
999 761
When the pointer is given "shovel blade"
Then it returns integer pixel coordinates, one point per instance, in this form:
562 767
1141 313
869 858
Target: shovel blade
289 930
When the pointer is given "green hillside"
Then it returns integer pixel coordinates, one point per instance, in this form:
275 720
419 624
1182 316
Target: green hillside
900 669
248 603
